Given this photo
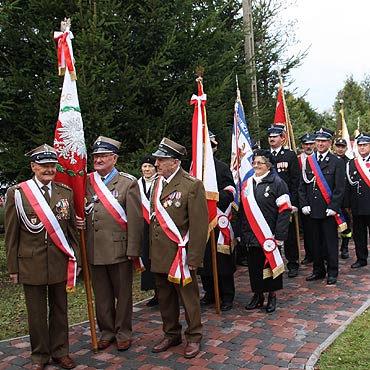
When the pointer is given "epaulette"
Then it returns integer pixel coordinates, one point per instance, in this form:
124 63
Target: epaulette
190 177
64 186
133 178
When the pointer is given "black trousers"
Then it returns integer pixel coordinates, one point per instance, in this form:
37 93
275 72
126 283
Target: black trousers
361 229
256 261
291 247
226 287
307 235
325 246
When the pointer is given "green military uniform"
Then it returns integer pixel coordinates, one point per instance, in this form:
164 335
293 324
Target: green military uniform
185 202
42 269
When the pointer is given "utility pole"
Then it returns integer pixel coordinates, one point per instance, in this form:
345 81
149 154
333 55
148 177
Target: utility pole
249 55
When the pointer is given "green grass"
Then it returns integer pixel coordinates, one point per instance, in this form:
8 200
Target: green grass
13 312
350 351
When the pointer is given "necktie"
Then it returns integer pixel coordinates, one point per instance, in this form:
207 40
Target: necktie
274 153
46 193
320 158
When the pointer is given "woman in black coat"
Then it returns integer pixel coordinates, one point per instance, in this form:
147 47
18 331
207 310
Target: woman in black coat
271 197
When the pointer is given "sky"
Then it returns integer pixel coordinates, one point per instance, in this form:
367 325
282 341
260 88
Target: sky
338 32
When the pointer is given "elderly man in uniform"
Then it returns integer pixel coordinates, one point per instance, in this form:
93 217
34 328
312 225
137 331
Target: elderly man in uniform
35 210
178 235
358 198
287 167
224 239
321 193
308 146
340 148
114 236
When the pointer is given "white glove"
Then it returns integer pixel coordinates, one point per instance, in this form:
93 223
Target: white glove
330 212
280 242
294 209
306 210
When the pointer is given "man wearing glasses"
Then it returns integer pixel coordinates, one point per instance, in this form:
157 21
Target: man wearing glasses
114 236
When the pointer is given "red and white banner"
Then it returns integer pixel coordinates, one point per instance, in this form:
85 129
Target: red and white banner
52 226
179 270
203 165
69 139
262 230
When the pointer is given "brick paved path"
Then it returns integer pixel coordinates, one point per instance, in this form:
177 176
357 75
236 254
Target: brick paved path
308 318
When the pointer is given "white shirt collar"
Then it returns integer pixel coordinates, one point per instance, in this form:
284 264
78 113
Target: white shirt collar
40 184
323 155
277 150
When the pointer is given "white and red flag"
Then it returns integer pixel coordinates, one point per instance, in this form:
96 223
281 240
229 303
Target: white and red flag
203 165
69 139
282 118
241 150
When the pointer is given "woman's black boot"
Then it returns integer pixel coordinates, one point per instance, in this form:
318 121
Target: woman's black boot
271 303
257 301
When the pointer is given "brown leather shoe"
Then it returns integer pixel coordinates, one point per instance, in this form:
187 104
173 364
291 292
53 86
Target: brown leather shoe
65 362
123 346
37 366
103 344
191 349
166 343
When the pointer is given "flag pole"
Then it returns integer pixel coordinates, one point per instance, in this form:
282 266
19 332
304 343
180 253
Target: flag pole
205 137
69 69
212 235
292 146
90 307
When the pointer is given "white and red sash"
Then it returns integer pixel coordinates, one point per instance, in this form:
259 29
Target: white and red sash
179 269
226 235
363 170
261 230
114 208
145 203
52 226
325 190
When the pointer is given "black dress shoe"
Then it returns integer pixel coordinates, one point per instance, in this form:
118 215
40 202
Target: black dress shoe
331 280
292 273
256 301
358 264
313 277
271 303
307 260
205 301
226 306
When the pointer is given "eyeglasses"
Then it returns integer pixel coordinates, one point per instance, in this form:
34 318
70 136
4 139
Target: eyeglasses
258 163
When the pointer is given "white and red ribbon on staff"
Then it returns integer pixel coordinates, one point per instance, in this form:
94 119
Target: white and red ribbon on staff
65 53
179 270
261 230
111 204
52 226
